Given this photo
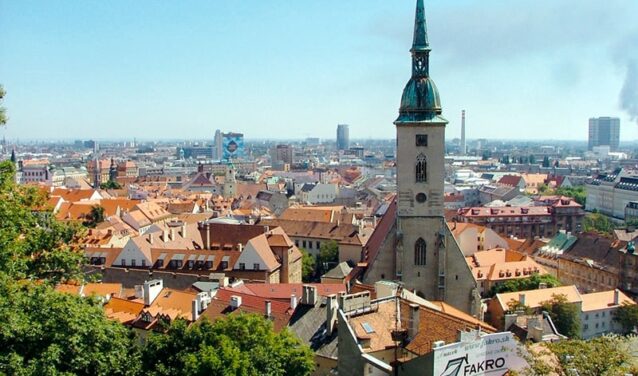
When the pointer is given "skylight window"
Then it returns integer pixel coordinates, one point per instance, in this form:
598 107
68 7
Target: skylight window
367 327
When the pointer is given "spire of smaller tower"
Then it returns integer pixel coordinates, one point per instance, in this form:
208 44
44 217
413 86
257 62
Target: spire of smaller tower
420 42
14 159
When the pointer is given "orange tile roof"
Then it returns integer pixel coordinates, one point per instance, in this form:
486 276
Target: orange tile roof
534 298
123 310
603 299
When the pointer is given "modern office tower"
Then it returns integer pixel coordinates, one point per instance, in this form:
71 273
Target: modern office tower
604 131
218 145
343 137
283 153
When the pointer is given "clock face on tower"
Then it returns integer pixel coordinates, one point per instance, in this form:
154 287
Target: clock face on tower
421 197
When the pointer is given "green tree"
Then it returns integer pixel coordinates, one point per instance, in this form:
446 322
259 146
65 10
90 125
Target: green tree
627 316
328 255
308 265
579 194
43 332
545 161
236 345
32 243
599 223
111 184
601 356
565 315
523 284
3 112
532 159
95 217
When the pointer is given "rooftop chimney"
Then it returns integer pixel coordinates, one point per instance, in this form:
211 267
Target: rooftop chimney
309 295
207 235
183 230
150 238
268 308
413 324
194 310
235 301
331 310
173 233
616 297
151 290
293 301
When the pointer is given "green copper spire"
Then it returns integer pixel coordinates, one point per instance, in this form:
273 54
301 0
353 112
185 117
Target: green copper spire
420 101
420 42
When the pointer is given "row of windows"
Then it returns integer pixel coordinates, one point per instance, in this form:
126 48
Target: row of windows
242 266
586 326
307 244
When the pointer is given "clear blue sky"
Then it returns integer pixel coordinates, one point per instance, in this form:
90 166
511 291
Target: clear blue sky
534 69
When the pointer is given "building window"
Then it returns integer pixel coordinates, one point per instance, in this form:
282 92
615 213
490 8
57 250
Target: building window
123 262
242 266
133 262
318 245
224 264
421 140
310 245
303 244
421 169
419 252
256 266
143 262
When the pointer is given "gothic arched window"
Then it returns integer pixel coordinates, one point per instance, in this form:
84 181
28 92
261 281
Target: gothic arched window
421 172
419 252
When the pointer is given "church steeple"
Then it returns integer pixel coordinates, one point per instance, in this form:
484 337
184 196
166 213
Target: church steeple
420 101
420 45
420 41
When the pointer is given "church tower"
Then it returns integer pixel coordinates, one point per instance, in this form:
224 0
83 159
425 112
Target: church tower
230 182
428 260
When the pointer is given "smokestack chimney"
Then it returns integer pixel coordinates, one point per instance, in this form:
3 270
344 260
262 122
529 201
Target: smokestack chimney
463 146
268 308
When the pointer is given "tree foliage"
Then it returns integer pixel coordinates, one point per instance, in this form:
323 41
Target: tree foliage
95 217
237 345
111 184
32 243
565 315
3 112
43 332
328 255
599 356
627 316
599 223
308 265
523 284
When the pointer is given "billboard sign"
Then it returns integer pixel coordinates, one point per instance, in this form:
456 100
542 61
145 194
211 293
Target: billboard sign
233 145
490 354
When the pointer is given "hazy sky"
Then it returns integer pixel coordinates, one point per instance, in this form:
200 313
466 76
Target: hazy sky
535 69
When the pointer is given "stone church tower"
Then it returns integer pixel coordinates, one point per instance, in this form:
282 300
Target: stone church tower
428 258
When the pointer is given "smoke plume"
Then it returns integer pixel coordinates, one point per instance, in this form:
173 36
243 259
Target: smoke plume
629 92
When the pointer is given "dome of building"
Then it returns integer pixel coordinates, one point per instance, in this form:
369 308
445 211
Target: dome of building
420 96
